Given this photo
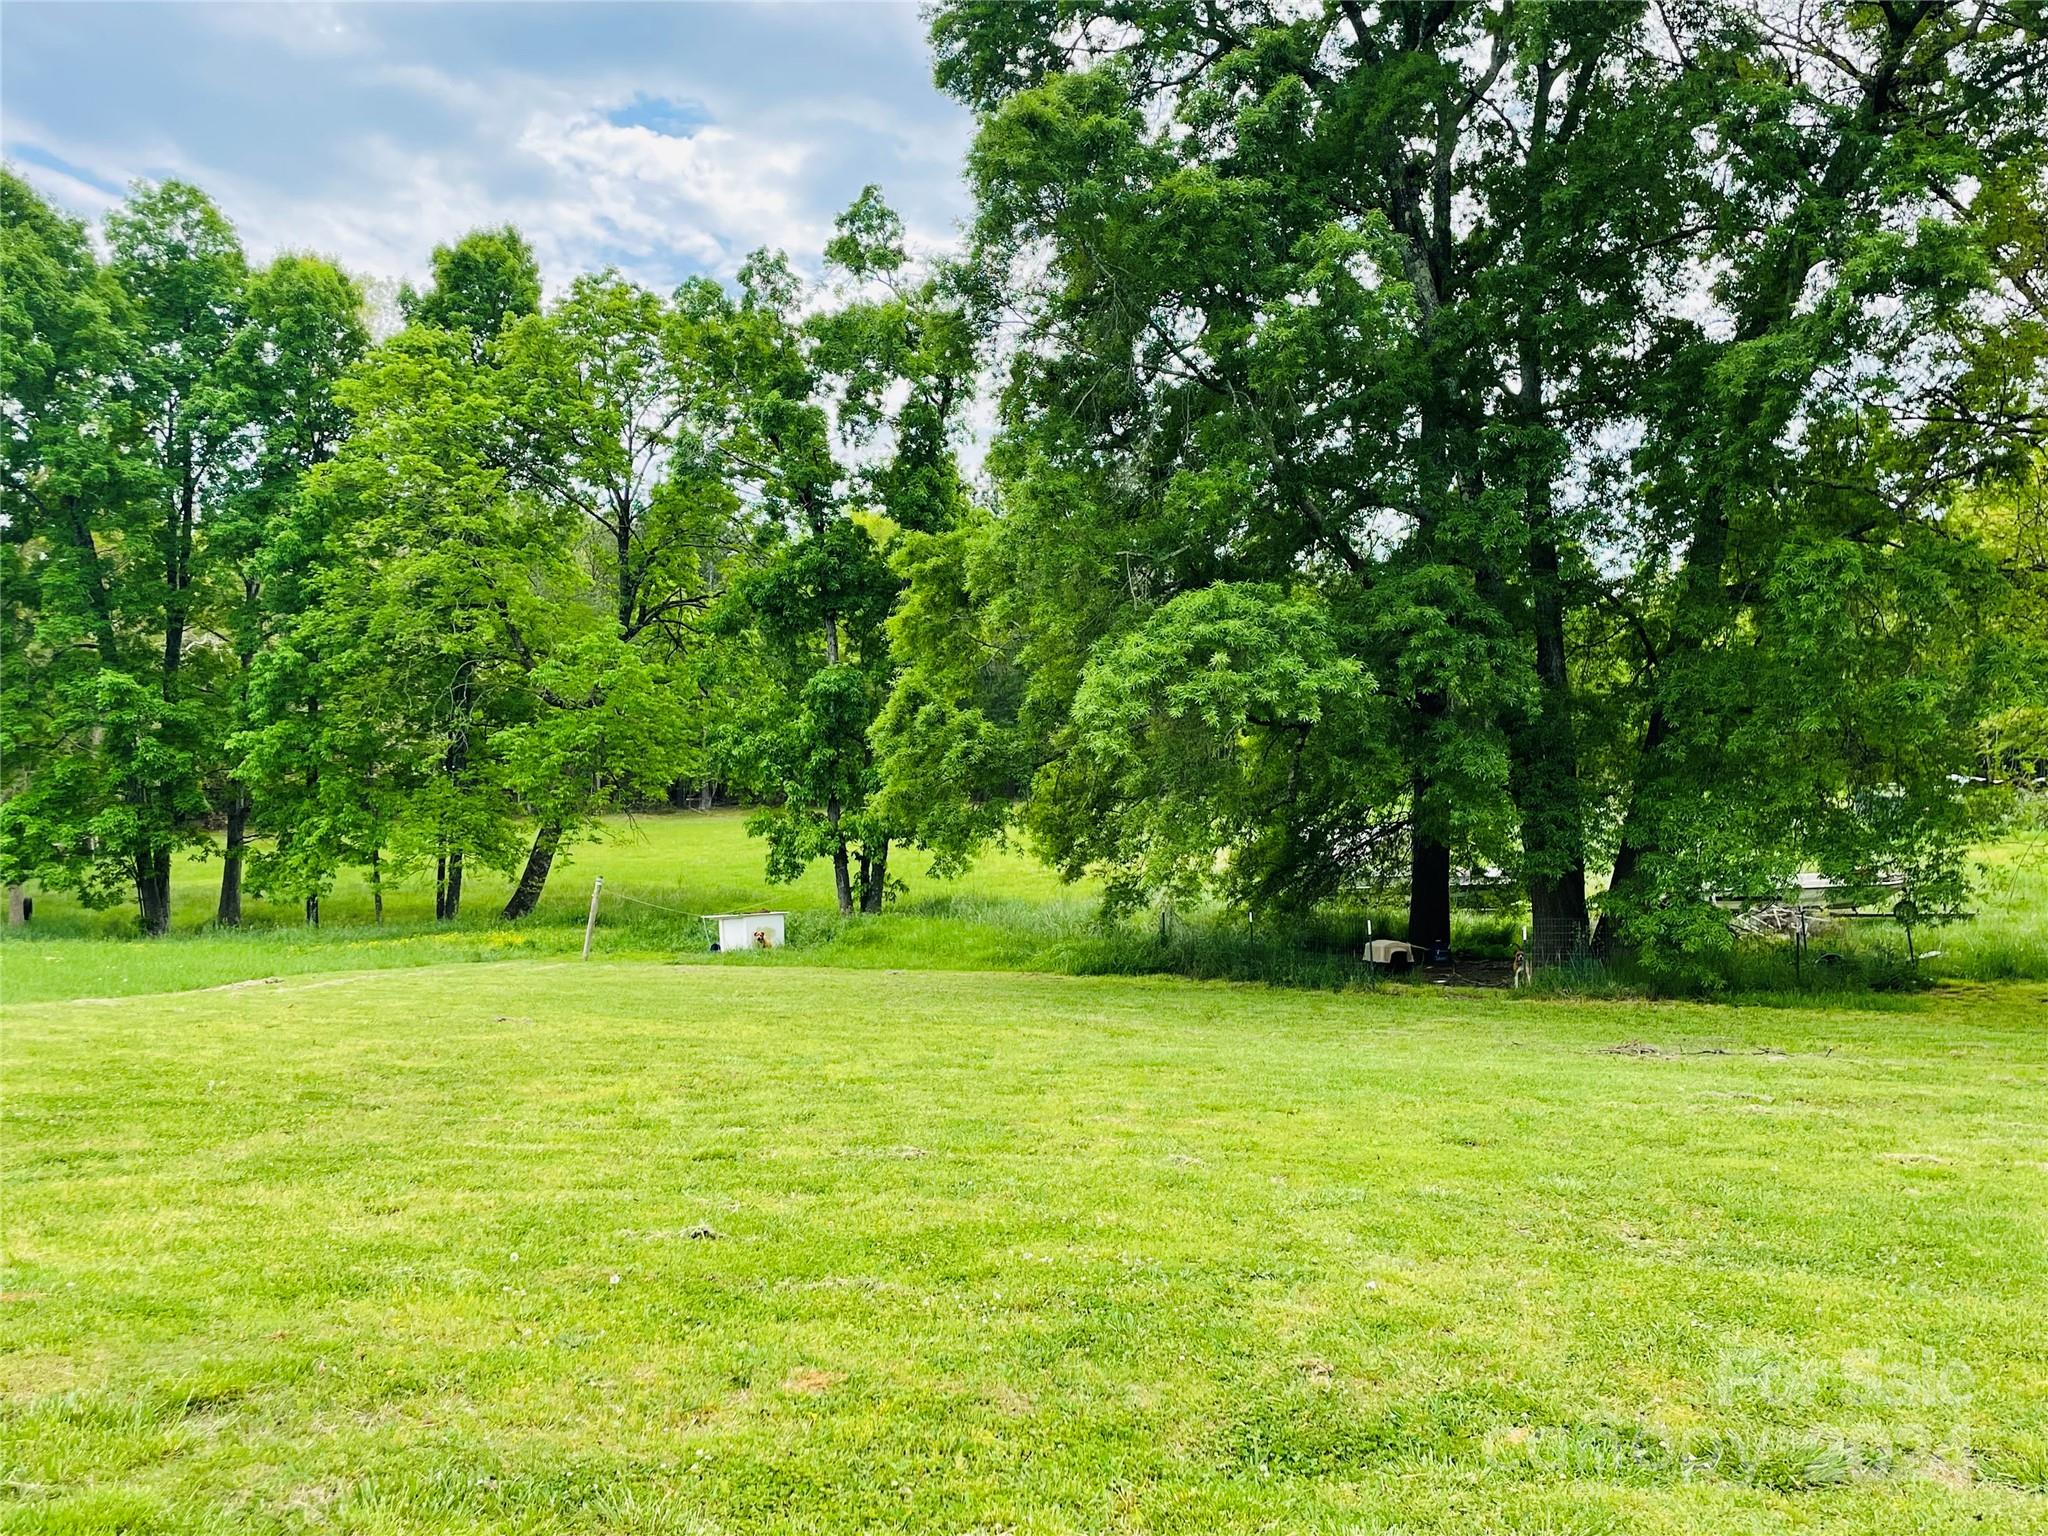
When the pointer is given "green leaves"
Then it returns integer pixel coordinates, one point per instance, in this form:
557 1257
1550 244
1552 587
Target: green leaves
1553 436
867 239
482 283
1228 720
1609 379
845 421
953 748
113 775
125 437
609 730
821 601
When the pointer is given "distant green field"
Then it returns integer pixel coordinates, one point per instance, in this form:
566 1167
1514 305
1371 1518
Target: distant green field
704 860
660 872
1008 913
543 1246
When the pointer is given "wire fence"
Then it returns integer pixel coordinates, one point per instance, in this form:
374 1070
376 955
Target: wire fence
659 907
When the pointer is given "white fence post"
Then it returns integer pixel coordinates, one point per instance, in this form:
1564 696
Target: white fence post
590 927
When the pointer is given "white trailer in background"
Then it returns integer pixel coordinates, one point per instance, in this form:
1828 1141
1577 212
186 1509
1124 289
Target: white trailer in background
748 930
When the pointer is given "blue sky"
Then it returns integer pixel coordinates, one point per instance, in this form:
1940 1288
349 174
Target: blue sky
664 139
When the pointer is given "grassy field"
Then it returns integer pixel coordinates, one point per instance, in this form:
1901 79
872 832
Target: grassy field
660 872
437 1228
543 1246
1008 913
703 859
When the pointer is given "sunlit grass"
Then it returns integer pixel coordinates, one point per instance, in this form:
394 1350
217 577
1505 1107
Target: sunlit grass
661 873
625 1248
703 861
929 1251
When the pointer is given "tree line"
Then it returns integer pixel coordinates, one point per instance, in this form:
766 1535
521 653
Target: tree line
444 600
1578 440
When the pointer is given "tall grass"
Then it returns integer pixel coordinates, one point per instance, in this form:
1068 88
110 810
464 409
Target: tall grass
2004 938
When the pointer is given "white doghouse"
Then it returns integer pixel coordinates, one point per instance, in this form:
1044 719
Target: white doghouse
748 930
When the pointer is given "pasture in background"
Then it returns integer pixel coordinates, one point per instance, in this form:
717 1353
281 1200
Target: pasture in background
1008 912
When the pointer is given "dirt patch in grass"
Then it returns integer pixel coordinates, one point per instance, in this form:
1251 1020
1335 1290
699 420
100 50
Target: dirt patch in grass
812 1382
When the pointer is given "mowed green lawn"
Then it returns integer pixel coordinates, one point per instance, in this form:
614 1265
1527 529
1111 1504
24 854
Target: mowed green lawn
543 1246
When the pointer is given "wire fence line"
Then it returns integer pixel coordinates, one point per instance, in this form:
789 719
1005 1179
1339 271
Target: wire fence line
685 912
597 895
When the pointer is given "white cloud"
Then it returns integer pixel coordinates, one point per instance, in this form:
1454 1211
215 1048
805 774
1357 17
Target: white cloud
715 195
374 133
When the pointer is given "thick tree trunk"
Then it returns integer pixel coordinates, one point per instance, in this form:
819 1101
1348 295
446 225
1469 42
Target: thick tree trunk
874 879
628 596
153 865
153 890
1429 895
455 763
313 910
534 878
1557 919
1771 302
17 906
842 881
1543 758
1636 842
1543 754
1543 773
228 913
1429 859
178 577
1698 600
707 795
